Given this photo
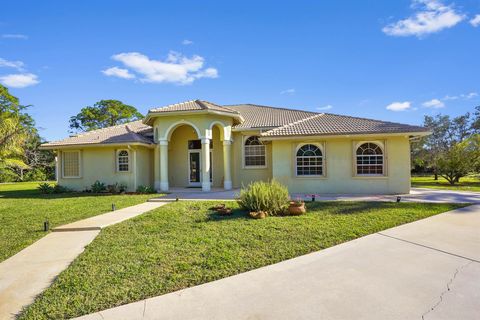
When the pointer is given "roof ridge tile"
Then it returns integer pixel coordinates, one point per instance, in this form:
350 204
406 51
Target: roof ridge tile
291 124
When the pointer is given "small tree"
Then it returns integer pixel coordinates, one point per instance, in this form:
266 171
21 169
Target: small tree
105 113
460 159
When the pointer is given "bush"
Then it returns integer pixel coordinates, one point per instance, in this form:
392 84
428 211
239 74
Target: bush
60 189
35 175
98 187
145 189
271 197
45 188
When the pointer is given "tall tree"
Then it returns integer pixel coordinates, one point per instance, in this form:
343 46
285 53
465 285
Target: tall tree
102 114
14 125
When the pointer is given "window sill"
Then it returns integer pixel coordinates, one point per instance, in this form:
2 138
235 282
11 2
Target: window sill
373 177
322 177
254 167
72 177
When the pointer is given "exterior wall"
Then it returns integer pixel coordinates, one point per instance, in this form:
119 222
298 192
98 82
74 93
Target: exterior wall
240 174
99 163
339 168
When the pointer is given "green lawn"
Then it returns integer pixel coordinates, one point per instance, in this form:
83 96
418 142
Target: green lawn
23 210
184 244
466 184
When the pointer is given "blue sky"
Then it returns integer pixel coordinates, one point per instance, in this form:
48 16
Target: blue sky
389 60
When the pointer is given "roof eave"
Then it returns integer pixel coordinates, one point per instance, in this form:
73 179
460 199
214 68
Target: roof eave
148 120
45 146
346 135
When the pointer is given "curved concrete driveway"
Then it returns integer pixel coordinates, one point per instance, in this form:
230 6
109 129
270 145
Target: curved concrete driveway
429 269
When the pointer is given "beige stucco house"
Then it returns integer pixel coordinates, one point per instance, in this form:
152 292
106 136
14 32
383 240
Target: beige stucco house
201 144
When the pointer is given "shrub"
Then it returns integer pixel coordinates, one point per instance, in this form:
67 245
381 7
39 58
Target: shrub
60 189
35 175
271 197
113 188
145 189
45 188
98 187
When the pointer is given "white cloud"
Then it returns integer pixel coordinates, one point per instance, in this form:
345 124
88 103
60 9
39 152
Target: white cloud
327 107
399 106
14 36
12 64
20 80
118 72
432 16
464 96
288 91
434 103
187 42
475 21
176 68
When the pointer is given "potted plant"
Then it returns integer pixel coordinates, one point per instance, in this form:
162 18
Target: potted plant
297 207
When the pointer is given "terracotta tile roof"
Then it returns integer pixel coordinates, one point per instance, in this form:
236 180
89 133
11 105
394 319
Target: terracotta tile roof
257 116
275 122
332 124
193 105
132 132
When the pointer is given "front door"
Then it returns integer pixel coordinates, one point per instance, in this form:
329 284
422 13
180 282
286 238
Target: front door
194 165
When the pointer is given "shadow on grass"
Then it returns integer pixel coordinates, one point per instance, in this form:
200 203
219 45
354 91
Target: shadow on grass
237 213
35 194
346 207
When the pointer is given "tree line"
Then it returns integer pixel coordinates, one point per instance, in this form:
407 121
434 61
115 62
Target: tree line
452 151
20 156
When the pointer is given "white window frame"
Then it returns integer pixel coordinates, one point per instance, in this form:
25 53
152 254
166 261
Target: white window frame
382 146
79 164
244 165
324 166
117 161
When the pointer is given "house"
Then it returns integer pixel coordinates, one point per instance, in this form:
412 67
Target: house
202 144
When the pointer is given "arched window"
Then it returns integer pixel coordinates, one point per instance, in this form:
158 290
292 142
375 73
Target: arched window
254 152
122 160
309 160
369 159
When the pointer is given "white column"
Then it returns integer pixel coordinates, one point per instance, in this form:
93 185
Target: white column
163 164
58 166
156 167
227 176
205 164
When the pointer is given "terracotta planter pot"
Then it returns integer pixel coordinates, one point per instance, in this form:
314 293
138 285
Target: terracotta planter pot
258 215
224 211
219 206
296 209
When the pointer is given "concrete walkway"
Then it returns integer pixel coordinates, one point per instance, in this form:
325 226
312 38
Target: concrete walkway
415 195
429 269
32 270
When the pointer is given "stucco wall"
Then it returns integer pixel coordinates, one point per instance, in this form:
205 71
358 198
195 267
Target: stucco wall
240 174
99 163
339 166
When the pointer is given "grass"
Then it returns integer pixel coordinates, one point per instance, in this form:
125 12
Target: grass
470 183
184 244
23 209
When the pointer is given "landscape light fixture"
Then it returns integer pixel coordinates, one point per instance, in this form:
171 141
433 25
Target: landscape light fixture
113 207
399 198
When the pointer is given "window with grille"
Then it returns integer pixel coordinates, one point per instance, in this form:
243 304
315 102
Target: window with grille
309 161
122 159
369 159
254 152
71 164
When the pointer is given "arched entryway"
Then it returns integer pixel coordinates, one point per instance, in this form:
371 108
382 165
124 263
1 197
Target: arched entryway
190 156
